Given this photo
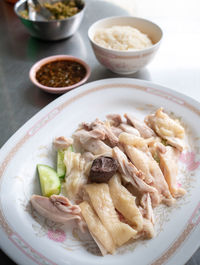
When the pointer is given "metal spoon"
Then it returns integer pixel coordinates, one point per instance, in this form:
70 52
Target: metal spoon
31 10
37 11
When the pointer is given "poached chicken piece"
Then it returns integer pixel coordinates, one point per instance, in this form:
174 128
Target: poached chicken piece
130 174
103 205
97 230
101 130
129 129
105 128
57 209
115 173
144 130
62 142
140 156
124 202
167 128
75 174
169 167
91 142
147 208
114 119
148 229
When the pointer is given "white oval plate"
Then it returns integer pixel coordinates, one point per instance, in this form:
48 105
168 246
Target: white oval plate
29 239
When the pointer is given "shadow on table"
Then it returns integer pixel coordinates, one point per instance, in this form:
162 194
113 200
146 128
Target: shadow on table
103 73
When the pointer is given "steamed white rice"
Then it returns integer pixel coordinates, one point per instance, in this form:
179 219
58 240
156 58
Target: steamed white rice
122 38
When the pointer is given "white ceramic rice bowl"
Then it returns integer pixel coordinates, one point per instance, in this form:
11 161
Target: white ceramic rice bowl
126 62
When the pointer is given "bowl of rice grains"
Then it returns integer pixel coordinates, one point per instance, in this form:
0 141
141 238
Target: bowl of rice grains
124 44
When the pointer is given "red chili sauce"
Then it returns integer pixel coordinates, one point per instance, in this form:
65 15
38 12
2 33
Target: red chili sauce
60 73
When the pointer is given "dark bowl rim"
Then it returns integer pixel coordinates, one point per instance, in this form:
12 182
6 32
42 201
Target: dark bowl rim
20 2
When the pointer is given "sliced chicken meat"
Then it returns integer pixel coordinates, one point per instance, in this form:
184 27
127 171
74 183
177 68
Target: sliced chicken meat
100 130
116 131
129 129
169 167
97 147
84 136
75 175
167 128
130 139
97 230
102 203
147 207
84 125
144 161
114 119
116 200
137 150
62 142
130 174
91 142
88 156
141 161
104 127
144 130
124 202
57 209
148 229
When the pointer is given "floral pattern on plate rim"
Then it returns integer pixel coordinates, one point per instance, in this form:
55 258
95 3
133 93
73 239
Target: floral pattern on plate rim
56 232
13 236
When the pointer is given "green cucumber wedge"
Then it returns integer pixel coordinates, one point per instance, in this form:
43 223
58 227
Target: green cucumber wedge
49 180
61 168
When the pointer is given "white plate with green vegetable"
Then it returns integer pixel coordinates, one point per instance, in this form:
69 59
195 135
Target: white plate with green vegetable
30 239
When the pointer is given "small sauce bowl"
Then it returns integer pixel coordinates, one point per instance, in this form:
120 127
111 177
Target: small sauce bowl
57 58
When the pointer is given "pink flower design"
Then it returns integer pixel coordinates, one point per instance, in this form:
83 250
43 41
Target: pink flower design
188 159
57 235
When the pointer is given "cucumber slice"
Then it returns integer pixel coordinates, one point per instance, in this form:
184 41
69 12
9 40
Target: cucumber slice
61 168
71 148
49 180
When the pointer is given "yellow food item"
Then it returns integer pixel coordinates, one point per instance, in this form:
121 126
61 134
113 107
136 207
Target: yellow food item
96 228
124 202
75 177
62 10
130 139
102 202
165 126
